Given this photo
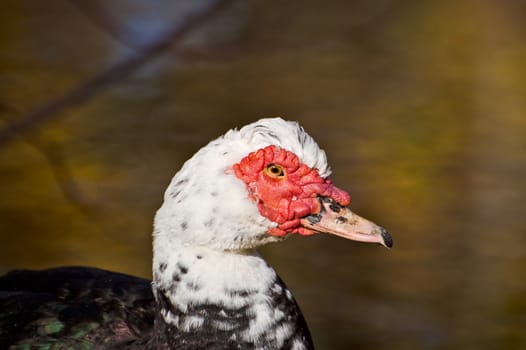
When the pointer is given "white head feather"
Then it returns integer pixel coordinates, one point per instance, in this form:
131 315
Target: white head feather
207 205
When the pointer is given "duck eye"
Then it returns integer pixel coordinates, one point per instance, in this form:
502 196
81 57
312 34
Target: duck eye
274 170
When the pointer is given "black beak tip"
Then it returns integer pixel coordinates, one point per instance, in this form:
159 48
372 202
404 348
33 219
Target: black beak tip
386 236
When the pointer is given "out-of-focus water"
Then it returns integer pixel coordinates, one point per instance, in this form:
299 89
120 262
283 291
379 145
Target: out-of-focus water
419 105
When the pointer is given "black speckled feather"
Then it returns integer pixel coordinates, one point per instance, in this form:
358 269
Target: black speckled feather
214 335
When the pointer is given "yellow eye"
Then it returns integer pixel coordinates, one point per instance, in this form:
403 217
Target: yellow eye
275 171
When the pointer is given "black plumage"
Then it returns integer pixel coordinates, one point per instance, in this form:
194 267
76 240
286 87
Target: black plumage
75 307
89 308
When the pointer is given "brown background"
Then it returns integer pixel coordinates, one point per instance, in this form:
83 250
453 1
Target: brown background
420 106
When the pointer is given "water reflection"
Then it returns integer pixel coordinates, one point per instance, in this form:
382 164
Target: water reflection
420 108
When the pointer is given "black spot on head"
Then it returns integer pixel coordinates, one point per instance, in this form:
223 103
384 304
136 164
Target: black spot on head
238 238
180 182
273 136
174 193
302 136
176 277
184 225
213 194
193 286
182 268
162 267
209 223
199 257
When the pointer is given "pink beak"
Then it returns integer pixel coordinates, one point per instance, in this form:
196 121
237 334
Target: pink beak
340 221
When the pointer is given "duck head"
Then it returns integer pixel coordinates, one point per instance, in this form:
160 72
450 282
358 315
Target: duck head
256 185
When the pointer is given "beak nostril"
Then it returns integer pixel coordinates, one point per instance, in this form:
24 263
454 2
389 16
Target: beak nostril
335 207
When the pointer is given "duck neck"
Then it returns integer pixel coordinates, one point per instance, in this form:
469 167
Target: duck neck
212 296
200 276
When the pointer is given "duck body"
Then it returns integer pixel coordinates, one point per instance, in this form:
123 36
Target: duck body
210 287
75 308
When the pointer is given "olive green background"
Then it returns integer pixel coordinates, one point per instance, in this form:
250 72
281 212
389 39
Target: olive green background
420 105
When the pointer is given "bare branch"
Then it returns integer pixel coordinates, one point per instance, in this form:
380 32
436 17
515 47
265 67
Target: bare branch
92 10
118 71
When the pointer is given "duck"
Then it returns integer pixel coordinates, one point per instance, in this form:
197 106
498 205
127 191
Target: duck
211 289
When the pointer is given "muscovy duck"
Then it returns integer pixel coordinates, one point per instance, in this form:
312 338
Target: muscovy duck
210 288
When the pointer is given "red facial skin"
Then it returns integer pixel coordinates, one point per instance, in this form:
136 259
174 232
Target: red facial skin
286 199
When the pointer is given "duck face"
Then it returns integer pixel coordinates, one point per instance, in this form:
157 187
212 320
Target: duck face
299 201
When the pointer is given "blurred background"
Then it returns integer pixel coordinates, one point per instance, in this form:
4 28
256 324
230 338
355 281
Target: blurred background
420 106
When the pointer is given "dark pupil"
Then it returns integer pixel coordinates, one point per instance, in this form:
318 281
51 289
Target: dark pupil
275 170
